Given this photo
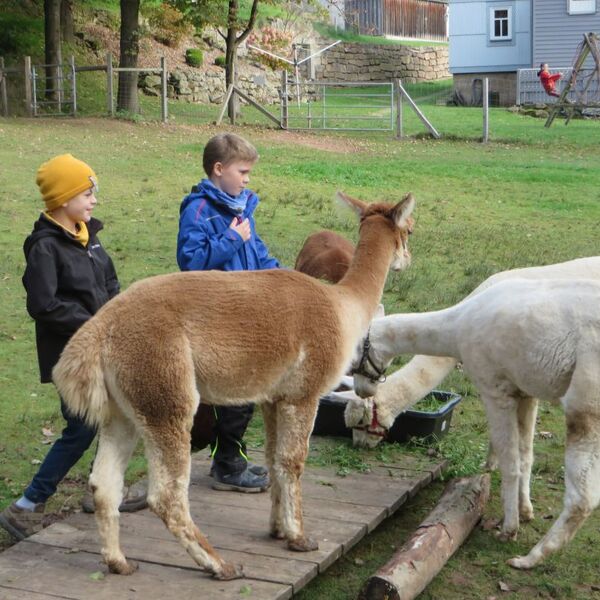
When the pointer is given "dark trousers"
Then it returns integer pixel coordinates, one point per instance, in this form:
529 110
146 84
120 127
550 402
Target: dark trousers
76 438
229 449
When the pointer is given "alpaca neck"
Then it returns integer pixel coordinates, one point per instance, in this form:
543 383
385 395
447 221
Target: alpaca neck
429 333
368 270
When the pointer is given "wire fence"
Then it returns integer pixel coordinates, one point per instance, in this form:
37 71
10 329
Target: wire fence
451 108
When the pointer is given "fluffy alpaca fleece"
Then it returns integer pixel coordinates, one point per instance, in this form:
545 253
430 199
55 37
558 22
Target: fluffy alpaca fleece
422 374
520 340
279 338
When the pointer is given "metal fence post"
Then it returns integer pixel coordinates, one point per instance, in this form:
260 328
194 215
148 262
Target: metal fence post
73 85
486 111
3 93
284 99
399 132
27 74
109 85
164 108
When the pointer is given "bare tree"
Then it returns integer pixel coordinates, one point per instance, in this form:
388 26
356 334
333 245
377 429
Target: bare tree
52 53
127 95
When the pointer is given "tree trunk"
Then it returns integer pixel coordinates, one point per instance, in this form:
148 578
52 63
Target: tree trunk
233 110
433 543
231 44
52 48
127 95
67 28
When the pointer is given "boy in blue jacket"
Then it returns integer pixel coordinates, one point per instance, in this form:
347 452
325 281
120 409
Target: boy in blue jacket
217 231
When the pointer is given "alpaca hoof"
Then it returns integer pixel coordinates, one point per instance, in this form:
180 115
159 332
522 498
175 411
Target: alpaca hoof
526 514
121 567
520 562
506 536
277 534
229 571
303 544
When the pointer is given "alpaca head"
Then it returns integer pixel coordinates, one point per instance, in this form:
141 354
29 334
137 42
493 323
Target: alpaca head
398 215
360 414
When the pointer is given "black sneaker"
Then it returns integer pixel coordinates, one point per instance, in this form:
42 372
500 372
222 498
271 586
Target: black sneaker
245 481
21 523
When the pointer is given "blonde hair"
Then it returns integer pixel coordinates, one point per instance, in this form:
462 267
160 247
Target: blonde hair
227 148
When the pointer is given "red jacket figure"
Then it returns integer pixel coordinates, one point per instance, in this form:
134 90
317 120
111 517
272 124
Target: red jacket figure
548 81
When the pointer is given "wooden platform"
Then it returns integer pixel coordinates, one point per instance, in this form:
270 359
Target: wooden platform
63 561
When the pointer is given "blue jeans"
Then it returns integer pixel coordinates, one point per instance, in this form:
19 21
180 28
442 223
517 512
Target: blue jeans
76 438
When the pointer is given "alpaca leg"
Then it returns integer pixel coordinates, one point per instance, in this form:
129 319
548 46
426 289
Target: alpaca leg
270 420
582 495
168 453
582 464
527 413
294 424
116 443
504 434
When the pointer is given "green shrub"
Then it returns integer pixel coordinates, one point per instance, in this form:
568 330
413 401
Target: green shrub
21 35
194 57
220 60
168 25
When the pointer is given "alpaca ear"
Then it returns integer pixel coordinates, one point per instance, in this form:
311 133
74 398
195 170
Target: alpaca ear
403 210
356 205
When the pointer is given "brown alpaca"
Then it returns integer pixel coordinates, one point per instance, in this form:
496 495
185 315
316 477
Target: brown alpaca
325 255
279 338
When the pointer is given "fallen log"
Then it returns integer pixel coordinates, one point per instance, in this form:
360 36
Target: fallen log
422 557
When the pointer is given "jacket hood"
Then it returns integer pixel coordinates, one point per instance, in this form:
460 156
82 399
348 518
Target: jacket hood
43 228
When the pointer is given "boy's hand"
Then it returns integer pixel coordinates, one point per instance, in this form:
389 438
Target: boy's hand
242 229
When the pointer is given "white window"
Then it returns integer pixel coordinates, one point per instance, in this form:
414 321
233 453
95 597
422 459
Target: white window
501 23
581 7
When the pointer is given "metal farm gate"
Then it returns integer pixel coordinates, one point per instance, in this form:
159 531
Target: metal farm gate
417 19
358 106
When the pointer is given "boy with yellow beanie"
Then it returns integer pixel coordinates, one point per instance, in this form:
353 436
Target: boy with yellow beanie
68 277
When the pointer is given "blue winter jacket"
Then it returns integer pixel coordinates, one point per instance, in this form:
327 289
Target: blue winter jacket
205 240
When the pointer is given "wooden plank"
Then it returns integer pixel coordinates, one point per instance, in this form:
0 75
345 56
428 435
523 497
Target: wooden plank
370 516
71 575
224 538
80 534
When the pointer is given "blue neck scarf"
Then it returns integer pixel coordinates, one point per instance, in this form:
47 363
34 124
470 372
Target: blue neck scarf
236 204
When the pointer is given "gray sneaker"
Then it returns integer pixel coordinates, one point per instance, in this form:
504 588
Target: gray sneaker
135 498
246 481
256 469
21 523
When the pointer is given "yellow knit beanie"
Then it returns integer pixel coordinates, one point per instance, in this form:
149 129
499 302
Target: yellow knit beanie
62 178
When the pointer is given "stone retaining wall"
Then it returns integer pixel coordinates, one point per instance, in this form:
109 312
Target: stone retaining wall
362 62
343 63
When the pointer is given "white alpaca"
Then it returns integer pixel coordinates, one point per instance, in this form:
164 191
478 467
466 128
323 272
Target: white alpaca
519 340
417 378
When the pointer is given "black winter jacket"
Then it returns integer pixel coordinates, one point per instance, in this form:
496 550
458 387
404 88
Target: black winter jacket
66 284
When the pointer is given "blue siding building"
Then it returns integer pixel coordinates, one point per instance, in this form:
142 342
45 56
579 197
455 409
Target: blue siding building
495 38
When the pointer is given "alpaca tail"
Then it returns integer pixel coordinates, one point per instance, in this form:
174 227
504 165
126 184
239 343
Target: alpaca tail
79 376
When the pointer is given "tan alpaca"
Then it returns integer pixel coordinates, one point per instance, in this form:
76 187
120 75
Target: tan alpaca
279 338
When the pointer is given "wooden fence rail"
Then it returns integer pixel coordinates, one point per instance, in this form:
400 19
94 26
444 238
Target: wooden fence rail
420 19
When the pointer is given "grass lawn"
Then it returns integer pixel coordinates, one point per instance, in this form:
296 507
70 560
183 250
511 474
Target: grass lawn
532 198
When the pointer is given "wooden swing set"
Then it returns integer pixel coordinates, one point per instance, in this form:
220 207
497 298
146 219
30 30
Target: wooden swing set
590 45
